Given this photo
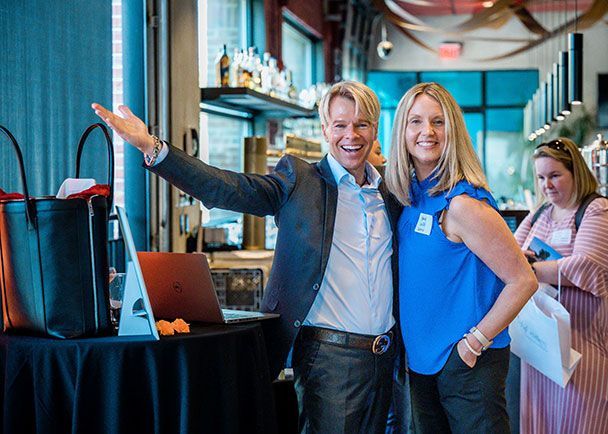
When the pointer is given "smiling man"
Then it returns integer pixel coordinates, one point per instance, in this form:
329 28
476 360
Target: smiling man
332 275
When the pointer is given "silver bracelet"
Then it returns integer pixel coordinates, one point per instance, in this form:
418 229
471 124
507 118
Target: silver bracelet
151 159
469 347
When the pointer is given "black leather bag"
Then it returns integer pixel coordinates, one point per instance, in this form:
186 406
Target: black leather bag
54 260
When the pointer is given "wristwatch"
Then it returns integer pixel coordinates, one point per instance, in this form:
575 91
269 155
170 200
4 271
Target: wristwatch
485 342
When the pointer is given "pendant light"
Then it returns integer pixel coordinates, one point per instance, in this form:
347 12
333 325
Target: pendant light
557 113
575 67
564 102
550 84
545 106
538 116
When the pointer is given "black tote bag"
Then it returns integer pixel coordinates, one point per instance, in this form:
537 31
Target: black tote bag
53 258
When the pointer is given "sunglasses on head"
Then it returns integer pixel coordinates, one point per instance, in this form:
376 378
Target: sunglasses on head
556 145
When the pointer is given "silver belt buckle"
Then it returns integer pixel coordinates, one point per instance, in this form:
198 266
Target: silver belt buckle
381 344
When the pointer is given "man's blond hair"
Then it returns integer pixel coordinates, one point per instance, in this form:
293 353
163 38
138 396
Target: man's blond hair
367 106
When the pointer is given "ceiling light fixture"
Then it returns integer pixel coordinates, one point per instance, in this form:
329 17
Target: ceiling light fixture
385 47
564 102
575 67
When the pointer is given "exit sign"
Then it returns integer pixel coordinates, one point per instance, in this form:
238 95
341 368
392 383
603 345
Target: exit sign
450 50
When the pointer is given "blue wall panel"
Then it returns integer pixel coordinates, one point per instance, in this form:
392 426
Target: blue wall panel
56 60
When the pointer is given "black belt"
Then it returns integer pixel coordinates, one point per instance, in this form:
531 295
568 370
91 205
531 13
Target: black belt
376 344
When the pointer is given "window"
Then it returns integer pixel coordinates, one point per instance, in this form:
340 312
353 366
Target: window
513 88
465 87
390 87
222 22
505 154
298 51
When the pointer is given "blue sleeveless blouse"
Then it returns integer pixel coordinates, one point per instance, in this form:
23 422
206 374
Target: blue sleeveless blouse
445 289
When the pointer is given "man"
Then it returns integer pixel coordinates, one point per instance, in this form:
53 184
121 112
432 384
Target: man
332 277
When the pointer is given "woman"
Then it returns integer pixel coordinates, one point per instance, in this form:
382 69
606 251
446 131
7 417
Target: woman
462 276
375 156
562 182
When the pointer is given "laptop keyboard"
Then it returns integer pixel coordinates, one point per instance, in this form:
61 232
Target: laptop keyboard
230 314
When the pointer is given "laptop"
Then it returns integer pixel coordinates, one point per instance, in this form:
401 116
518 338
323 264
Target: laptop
180 286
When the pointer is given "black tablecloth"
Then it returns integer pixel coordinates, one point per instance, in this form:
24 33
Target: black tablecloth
214 380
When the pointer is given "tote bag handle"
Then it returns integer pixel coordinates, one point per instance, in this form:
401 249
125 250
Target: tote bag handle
30 207
81 143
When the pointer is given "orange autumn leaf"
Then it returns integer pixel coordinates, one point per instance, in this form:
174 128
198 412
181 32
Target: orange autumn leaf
181 326
165 328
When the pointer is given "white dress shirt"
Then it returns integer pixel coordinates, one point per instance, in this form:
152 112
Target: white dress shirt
356 294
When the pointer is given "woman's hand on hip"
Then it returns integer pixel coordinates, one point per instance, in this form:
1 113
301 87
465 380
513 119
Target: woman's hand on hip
466 356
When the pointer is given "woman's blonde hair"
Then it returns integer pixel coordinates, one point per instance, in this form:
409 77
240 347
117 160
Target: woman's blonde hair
366 102
458 160
570 156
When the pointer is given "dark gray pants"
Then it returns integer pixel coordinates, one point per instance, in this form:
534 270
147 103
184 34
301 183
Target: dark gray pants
459 399
341 390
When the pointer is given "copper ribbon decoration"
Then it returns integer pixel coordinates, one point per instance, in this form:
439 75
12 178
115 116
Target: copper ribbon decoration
496 16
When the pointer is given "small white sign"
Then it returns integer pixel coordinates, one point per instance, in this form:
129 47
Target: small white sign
425 223
561 237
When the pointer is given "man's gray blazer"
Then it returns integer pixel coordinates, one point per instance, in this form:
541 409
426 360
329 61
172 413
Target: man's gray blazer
302 197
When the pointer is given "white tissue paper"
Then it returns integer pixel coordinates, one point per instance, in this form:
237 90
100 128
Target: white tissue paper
74 185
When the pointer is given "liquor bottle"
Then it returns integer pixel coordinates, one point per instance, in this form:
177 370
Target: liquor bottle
243 71
222 69
274 76
256 74
234 68
266 75
292 91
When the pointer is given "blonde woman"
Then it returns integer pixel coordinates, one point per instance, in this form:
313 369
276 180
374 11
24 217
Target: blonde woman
563 183
462 276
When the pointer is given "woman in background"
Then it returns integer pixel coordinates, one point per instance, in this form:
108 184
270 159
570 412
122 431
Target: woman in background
563 181
375 156
462 277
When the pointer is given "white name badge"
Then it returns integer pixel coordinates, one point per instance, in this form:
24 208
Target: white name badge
561 237
425 223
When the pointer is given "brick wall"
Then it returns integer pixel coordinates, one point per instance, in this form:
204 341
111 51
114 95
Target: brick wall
309 13
117 99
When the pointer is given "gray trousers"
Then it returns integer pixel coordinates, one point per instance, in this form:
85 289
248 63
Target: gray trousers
341 390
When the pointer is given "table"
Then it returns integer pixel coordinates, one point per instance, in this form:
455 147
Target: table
214 380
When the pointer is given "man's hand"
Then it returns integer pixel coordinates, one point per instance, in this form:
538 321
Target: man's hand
128 126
